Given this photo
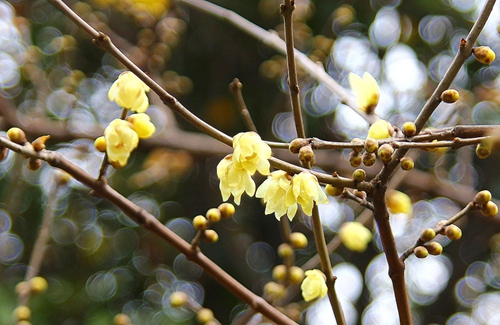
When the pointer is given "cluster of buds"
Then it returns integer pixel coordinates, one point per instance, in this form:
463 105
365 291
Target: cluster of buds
483 201
18 136
203 315
213 215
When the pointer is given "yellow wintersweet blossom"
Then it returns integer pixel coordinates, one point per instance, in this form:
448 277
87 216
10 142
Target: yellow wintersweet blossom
142 125
398 202
314 285
355 236
305 190
273 192
129 92
366 90
121 140
251 153
381 129
234 180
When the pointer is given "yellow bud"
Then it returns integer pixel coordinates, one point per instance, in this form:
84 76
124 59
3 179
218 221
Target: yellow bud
100 144
178 299
38 285
121 319
204 315
434 248
359 175
211 236
22 288
483 151
427 234
371 145
34 164
483 54
306 156
409 129
296 275
379 130
450 96
420 252
407 163
273 290
354 159
483 197
227 210
39 143
359 145
398 202
22 313
285 250
297 144
385 153
279 272
333 191
298 240
369 159
200 222
213 215
453 232
490 209
17 135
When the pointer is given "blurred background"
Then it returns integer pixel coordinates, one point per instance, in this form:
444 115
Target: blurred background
99 263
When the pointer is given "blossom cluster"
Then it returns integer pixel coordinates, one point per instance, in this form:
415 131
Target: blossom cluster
121 137
280 192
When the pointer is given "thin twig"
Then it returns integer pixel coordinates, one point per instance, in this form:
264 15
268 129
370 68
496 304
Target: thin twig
235 87
363 202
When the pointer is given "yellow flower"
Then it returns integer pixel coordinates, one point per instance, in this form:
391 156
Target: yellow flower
305 190
366 90
398 202
121 140
273 192
381 129
355 236
142 125
314 285
234 180
251 153
129 92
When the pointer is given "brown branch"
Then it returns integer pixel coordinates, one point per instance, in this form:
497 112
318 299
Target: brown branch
148 221
235 87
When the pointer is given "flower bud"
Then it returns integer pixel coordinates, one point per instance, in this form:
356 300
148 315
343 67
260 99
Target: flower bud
483 150
200 222
369 159
22 313
333 191
442 225
427 234
279 273
17 135
483 54
34 164
354 159
204 315
227 210
211 236
296 275
4 152
306 156
285 250
360 194
385 153
38 285
434 248
420 252
490 209
39 143
100 144
453 232
296 144
213 215
409 129
371 145
482 197
359 175
359 143
450 96
298 240
178 299
407 163
273 290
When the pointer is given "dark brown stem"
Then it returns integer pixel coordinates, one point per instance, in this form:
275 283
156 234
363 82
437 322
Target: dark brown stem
235 87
